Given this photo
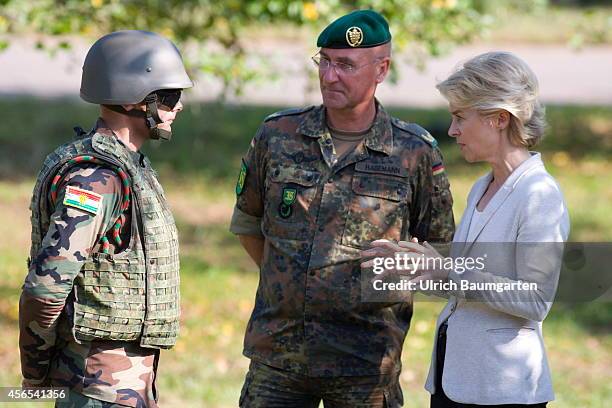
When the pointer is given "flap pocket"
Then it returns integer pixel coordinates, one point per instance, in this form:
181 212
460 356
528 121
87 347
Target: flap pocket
380 186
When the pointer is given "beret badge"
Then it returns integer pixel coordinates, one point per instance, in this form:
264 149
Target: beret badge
354 36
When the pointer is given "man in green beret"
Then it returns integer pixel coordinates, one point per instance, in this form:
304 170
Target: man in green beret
318 186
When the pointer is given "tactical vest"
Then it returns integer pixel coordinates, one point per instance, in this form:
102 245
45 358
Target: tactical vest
132 295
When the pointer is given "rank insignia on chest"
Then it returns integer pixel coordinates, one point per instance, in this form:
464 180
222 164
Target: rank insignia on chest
286 207
241 179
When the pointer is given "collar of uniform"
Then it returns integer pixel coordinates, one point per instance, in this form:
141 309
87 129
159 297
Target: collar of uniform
313 124
102 128
379 138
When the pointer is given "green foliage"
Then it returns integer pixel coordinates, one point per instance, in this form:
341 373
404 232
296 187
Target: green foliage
522 6
595 27
223 29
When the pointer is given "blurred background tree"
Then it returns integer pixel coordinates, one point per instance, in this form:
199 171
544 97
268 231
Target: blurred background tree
242 42
226 28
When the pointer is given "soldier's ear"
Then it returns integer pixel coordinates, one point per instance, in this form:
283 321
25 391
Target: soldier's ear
382 69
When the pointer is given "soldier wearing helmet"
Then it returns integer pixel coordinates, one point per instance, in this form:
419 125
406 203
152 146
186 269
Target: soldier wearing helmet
101 296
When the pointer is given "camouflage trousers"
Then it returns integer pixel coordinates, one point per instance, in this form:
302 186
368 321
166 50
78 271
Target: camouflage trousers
270 387
76 400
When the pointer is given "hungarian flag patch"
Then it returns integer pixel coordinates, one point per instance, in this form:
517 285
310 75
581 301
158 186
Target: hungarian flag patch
82 199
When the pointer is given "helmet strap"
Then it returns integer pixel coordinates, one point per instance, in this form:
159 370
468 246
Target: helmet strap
153 120
150 115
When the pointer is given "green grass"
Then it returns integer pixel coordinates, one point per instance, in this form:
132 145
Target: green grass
198 170
210 138
512 21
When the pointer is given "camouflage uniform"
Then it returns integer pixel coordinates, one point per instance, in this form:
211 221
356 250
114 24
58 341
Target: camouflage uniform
271 387
98 372
316 212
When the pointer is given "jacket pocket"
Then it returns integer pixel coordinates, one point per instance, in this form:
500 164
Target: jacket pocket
290 191
376 209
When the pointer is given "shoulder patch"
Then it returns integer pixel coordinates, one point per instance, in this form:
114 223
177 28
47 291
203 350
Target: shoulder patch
437 168
415 130
241 178
288 112
82 199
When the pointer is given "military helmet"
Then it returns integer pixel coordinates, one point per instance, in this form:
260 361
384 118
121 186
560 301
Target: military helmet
125 66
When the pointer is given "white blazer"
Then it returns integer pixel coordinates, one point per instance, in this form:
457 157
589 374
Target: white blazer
495 350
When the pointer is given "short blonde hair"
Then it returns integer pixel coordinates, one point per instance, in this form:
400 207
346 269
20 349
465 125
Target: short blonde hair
497 81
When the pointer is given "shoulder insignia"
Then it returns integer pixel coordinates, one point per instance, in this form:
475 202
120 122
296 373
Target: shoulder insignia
437 168
416 130
288 112
241 178
82 199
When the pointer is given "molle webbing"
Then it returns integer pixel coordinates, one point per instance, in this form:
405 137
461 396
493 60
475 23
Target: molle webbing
132 295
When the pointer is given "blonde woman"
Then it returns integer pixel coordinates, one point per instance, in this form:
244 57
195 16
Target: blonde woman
488 348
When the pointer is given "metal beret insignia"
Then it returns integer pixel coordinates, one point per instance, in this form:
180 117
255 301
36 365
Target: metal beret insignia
354 36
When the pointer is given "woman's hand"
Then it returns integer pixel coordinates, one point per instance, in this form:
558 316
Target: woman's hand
383 248
410 259
416 261
433 262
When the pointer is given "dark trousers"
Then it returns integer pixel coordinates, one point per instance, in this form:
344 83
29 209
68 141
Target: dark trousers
440 400
271 387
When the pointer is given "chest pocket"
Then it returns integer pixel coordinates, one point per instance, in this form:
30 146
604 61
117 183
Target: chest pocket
377 208
290 192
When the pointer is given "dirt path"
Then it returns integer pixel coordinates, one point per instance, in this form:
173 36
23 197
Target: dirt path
566 77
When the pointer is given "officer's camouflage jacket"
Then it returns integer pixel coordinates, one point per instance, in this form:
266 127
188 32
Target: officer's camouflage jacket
316 214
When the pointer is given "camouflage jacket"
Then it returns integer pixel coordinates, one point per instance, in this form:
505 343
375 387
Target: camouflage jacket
316 213
116 371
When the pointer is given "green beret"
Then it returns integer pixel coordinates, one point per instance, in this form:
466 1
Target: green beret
359 29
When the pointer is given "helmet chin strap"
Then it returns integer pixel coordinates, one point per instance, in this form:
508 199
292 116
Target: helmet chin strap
153 120
150 115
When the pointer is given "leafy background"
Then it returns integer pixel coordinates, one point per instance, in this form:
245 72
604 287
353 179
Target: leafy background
198 169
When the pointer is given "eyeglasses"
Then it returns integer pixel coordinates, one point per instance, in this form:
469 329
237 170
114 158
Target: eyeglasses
342 68
168 97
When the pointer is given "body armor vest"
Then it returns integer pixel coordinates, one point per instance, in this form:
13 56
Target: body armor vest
132 295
